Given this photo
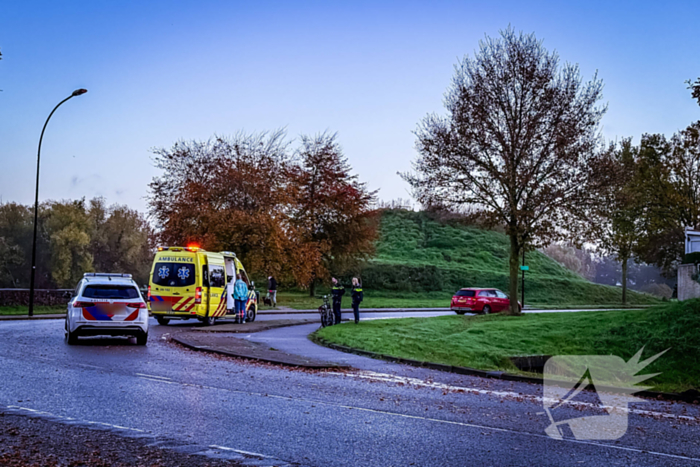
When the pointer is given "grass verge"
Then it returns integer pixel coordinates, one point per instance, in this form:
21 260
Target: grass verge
38 310
389 299
302 301
487 342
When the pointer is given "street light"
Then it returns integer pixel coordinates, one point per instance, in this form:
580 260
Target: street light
77 92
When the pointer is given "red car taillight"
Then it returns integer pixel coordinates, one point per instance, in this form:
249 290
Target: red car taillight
198 295
79 304
136 305
149 293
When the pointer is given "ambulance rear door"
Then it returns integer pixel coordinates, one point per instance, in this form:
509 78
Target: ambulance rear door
216 292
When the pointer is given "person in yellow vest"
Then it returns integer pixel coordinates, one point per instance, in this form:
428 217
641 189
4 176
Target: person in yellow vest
337 291
357 297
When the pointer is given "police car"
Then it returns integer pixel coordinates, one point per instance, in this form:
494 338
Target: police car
107 305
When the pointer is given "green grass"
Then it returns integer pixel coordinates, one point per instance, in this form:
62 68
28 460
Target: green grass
373 299
486 342
38 310
415 254
391 299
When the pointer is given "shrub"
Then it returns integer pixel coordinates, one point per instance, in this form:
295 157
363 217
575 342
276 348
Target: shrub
692 258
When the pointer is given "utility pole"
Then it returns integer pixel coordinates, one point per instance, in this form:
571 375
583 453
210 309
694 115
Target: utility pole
522 287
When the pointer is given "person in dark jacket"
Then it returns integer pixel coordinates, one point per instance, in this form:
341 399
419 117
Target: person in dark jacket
357 297
272 290
337 291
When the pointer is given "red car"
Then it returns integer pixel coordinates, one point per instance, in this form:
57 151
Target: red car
478 300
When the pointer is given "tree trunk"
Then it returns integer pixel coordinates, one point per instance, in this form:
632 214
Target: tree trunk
312 288
624 281
513 292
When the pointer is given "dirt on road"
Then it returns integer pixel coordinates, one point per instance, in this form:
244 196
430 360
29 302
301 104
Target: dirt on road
37 442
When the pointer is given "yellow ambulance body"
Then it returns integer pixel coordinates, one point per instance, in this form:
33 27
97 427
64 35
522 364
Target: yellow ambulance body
188 282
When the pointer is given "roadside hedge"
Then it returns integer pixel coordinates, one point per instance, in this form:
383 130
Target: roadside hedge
692 258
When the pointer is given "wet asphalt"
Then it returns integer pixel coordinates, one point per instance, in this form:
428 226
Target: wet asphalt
380 414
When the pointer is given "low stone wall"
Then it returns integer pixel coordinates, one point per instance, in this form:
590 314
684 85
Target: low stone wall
687 286
20 297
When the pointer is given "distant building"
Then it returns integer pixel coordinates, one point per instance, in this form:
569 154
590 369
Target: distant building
692 241
688 282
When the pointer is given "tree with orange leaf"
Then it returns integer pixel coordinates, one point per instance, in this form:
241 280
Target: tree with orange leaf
231 194
332 213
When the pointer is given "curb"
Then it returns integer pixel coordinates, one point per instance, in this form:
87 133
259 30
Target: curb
690 396
200 348
213 329
349 310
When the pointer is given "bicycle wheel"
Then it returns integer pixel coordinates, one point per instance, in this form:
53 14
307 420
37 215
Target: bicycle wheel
324 316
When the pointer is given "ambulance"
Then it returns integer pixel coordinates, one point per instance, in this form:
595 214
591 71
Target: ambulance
188 282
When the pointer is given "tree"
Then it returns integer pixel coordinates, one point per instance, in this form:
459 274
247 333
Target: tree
74 237
16 235
68 229
695 89
670 187
614 219
514 146
231 194
579 260
121 240
332 212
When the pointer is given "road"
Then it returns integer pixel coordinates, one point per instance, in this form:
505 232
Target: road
379 414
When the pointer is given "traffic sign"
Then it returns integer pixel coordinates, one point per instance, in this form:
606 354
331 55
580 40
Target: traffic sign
524 268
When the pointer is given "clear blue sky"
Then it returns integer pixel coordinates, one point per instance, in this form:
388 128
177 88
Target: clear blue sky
159 71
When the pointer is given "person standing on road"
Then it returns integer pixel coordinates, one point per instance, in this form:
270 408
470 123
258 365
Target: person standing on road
337 291
272 290
230 302
357 297
240 297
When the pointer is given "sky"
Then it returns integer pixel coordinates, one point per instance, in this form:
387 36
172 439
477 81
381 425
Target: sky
162 71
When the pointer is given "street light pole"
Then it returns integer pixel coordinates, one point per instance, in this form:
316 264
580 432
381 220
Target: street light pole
77 92
522 288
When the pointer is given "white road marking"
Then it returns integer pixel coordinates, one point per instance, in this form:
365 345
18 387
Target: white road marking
224 448
420 383
369 374
154 376
159 380
535 435
41 412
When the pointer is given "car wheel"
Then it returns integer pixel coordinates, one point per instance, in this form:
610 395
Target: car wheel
162 321
71 337
141 339
486 310
252 313
209 321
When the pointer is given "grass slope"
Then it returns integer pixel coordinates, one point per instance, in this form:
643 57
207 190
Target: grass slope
486 342
417 254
